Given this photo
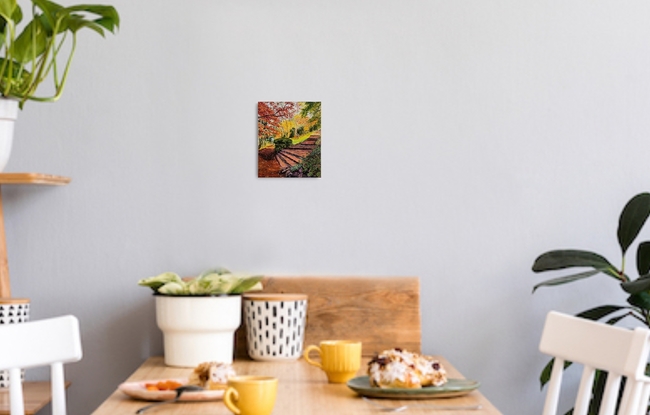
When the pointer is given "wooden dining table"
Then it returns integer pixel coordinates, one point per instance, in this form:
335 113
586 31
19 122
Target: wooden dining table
302 390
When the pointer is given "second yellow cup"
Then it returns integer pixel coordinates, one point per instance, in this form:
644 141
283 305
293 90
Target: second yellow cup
339 359
251 395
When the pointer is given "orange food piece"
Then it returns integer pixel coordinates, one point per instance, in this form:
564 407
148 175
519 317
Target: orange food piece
163 385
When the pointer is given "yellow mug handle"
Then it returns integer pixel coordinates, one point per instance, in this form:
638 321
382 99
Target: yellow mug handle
227 399
306 355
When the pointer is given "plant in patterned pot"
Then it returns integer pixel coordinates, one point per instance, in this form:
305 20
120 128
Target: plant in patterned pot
632 219
198 316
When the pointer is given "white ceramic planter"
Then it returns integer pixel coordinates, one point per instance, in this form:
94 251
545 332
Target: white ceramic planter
8 115
198 329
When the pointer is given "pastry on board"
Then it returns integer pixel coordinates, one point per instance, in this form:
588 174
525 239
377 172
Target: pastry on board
211 375
397 368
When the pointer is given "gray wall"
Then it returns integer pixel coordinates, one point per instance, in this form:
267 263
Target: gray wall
460 140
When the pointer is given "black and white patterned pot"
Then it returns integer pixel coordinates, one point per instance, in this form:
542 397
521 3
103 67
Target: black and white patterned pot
12 311
275 325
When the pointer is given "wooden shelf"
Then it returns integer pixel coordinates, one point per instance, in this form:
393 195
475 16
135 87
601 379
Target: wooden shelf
36 395
19 178
33 178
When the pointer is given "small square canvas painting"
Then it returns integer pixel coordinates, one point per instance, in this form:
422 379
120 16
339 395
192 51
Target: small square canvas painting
288 139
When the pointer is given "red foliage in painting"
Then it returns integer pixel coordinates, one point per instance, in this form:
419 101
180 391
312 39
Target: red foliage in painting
270 114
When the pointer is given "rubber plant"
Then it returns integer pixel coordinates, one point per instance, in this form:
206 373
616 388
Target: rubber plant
45 46
631 221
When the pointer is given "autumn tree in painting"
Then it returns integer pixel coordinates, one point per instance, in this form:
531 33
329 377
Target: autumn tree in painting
269 117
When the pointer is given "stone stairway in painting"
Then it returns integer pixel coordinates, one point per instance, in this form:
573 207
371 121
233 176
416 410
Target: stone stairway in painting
293 155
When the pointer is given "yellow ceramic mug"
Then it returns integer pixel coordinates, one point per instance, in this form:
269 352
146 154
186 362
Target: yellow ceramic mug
340 359
251 395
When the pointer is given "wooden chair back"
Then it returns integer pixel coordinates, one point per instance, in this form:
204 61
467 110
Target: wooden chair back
51 342
381 312
620 352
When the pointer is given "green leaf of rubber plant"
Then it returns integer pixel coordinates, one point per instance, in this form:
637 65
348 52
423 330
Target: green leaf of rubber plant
633 217
641 300
637 286
599 312
598 388
545 376
566 279
570 258
612 321
643 258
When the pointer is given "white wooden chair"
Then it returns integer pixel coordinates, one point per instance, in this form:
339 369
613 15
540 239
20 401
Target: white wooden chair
50 342
618 351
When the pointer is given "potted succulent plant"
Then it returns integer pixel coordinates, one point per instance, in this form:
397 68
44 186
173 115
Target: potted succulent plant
631 221
41 51
199 316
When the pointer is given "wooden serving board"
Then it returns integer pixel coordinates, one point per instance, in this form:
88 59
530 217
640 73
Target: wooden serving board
381 312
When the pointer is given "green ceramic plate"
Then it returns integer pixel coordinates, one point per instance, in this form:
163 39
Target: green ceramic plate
453 387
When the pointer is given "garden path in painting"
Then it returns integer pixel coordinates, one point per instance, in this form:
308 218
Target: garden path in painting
267 168
289 139
286 158
293 155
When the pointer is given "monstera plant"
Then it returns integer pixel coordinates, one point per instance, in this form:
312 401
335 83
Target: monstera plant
631 221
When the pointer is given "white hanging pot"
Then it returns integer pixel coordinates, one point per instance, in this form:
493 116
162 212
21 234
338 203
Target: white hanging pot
8 115
198 329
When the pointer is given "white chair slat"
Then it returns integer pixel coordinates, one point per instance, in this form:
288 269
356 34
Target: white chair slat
621 352
584 391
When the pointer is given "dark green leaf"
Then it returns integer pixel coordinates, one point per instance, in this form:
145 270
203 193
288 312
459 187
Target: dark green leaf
598 388
616 319
639 285
566 279
545 376
643 258
562 259
641 300
632 219
599 312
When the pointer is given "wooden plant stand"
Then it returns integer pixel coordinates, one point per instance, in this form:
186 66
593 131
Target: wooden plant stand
19 178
